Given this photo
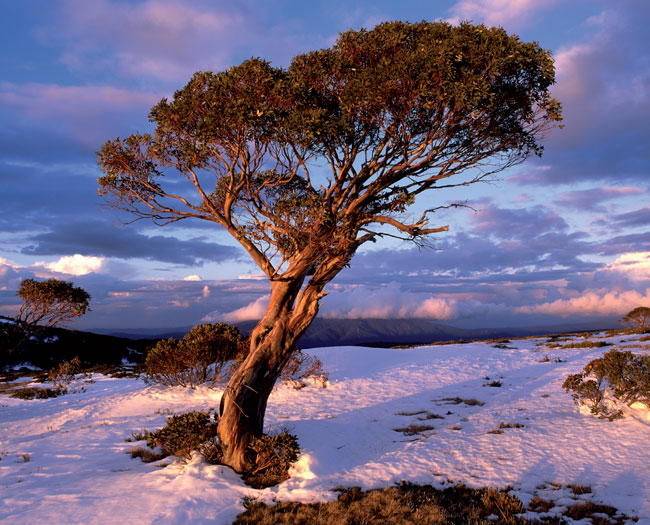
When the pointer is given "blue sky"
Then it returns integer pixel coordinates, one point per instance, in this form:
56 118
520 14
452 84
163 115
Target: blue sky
561 238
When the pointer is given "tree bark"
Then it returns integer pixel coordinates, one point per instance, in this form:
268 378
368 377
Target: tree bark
291 310
243 404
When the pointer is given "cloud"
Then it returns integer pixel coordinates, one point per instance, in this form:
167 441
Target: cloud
252 311
192 277
76 264
636 265
104 240
603 83
511 13
160 39
594 198
83 115
593 302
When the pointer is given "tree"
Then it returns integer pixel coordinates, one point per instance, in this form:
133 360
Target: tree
45 303
390 113
638 320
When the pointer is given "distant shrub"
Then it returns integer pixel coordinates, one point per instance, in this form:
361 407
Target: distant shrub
36 393
301 367
66 372
200 357
614 379
582 344
183 433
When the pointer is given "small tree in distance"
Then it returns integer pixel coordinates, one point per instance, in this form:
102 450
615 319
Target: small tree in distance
637 320
45 303
304 165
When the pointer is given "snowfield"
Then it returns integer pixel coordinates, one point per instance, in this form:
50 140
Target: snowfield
65 459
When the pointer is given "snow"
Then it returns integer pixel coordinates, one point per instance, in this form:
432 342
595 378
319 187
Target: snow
65 459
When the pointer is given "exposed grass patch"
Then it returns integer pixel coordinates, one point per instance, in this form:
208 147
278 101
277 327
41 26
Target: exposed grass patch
582 344
407 504
36 392
413 429
405 413
459 400
147 455
578 490
511 425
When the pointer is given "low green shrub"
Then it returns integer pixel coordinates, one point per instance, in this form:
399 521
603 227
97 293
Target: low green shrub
617 378
273 456
200 357
183 433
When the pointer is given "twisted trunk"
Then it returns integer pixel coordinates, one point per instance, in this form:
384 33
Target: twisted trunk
273 342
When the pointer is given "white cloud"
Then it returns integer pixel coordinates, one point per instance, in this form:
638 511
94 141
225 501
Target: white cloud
192 277
497 12
75 264
252 311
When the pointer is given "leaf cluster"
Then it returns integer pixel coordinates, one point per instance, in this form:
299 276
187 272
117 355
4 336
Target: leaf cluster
619 377
389 112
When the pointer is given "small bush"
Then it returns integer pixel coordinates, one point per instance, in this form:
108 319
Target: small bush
183 433
617 377
200 357
66 372
274 454
301 367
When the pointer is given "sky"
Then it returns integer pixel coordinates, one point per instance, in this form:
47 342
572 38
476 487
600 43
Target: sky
557 239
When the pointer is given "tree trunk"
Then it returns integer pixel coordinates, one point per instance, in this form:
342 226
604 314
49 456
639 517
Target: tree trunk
273 342
291 310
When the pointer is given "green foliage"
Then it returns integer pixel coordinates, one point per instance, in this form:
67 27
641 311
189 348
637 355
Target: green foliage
637 320
45 303
51 302
273 455
616 378
183 433
200 357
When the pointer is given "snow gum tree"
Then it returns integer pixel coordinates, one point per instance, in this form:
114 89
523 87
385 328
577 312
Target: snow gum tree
388 114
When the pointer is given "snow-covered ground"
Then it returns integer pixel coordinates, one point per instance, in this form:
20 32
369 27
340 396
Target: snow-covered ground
65 459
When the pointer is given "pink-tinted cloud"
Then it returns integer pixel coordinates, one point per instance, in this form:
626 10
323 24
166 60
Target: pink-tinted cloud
593 302
507 13
89 114
163 39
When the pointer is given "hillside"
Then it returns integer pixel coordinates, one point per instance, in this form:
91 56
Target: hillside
427 415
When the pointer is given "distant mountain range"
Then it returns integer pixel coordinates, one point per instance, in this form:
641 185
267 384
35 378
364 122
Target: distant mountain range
383 332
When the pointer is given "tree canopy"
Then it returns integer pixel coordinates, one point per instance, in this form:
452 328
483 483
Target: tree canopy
305 164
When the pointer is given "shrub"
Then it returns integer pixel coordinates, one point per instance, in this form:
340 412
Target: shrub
199 357
65 372
183 433
617 377
637 320
36 393
303 366
273 455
